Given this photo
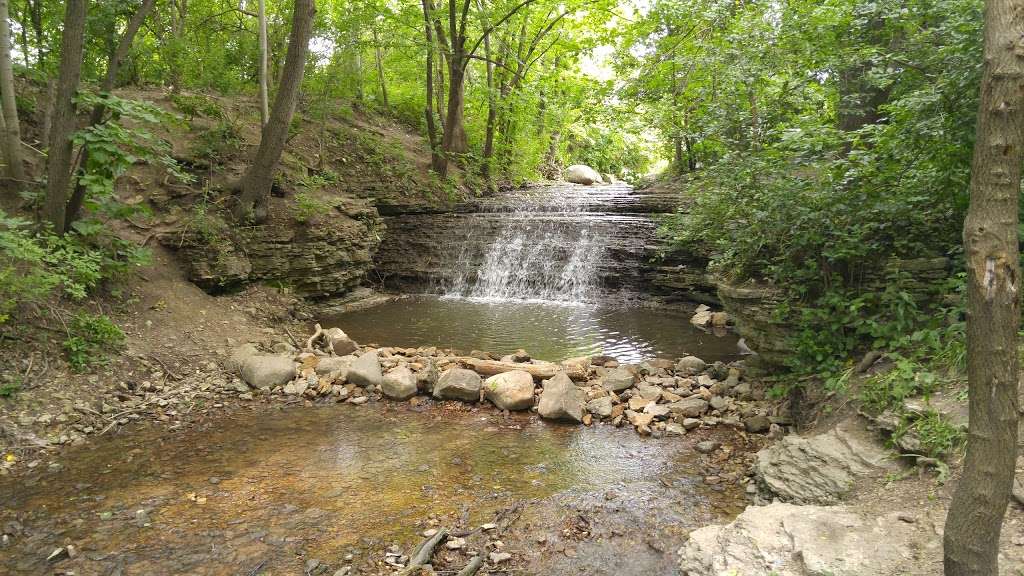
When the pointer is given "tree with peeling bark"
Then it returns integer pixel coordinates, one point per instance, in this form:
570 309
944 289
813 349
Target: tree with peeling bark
991 247
255 185
12 128
58 166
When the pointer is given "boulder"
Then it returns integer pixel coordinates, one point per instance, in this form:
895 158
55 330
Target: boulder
617 379
689 407
365 371
339 342
427 377
582 174
701 316
820 469
458 384
335 364
601 407
267 370
690 365
399 384
787 540
510 390
561 400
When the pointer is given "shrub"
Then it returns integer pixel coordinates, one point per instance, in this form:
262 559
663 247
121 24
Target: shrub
91 336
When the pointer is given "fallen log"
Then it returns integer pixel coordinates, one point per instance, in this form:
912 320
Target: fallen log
539 370
473 567
423 552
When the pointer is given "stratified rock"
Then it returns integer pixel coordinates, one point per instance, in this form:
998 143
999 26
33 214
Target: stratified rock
788 540
690 365
600 406
820 469
561 399
617 379
510 390
458 384
339 342
582 174
399 384
365 371
267 370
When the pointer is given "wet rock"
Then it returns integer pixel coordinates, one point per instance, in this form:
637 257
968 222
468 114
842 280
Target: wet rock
561 399
266 370
510 390
339 342
690 365
820 469
399 384
617 379
365 371
788 540
601 407
689 407
707 446
458 384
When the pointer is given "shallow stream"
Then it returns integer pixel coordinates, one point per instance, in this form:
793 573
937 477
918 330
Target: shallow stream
278 490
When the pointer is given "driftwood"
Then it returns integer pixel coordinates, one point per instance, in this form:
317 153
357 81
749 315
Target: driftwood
421 555
311 342
473 567
539 370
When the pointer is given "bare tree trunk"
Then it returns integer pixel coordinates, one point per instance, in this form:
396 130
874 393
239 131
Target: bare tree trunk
993 301
58 168
12 129
124 46
381 80
261 16
492 108
51 97
357 62
438 163
259 178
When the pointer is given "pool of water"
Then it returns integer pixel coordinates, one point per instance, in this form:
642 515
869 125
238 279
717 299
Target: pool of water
266 492
549 331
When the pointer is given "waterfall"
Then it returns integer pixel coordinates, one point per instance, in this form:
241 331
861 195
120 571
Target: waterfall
547 244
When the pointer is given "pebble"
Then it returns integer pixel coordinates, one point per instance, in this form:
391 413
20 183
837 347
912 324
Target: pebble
499 557
707 446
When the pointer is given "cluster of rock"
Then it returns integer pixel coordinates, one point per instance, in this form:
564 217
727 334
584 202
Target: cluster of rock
658 396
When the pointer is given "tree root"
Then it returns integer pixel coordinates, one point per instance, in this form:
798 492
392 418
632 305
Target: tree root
421 555
473 567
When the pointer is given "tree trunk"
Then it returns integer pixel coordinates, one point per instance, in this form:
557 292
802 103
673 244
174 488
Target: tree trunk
381 80
993 307
124 46
51 98
58 168
492 109
357 63
261 16
12 129
438 163
259 178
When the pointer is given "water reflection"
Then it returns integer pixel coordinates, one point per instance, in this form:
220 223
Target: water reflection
547 330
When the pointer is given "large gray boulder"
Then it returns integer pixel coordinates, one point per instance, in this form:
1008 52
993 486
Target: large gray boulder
617 379
399 384
510 390
458 384
582 174
365 371
821 469
690 365
788 540
262 370
561 399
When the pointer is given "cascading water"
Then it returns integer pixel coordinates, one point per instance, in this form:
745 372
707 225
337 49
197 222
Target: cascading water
548 245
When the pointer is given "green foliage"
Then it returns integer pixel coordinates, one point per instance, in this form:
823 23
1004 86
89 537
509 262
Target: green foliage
219 143
193 105
34 264
114 145
9 389
90 338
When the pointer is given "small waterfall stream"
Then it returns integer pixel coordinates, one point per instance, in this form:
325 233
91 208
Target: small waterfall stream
547 243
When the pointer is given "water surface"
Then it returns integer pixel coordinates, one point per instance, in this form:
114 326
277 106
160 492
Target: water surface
547 330
268 491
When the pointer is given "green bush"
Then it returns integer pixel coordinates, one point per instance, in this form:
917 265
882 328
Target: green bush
90 338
